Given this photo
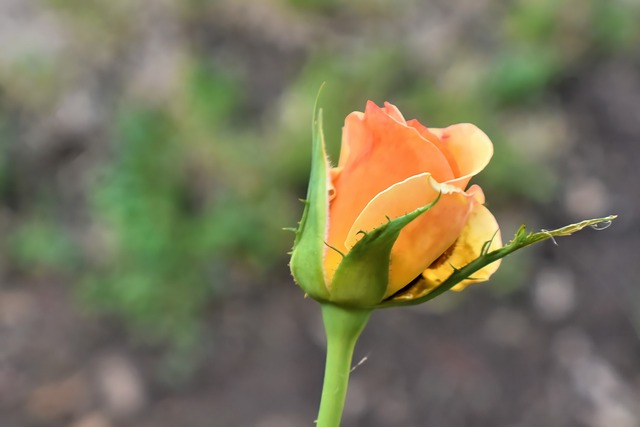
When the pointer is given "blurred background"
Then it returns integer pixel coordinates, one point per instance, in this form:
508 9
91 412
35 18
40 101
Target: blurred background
151 152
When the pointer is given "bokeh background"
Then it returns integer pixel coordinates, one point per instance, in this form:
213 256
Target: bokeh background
152 150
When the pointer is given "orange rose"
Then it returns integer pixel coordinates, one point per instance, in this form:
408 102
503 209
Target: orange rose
394 219
394 224
389 167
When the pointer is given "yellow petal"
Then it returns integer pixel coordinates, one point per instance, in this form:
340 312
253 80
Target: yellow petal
480 228
427 237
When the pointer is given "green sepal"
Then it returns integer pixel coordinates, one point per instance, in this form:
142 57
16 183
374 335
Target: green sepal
308 247
520 240
362 277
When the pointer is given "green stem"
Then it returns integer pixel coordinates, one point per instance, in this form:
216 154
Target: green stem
343 327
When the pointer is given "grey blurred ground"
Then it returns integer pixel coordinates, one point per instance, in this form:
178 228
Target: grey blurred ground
563 350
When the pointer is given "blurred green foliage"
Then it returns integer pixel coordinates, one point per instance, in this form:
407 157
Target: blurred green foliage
180 200
151 270
42 245
192 196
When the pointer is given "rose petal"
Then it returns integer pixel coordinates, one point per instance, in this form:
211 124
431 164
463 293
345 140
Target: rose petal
377 151
476 192
428 236
354 134
429 136
394 113
480 228
470 147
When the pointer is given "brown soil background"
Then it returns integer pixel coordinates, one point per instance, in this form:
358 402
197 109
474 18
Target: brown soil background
561 350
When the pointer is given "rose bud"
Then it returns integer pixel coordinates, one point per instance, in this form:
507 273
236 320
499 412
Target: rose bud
396 217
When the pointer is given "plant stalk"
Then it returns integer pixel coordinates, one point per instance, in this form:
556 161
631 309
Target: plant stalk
343 327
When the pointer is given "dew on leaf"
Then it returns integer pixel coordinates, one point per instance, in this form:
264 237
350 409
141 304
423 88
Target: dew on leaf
601 225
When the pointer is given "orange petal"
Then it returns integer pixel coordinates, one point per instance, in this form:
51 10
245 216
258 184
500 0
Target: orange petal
378 150
393 112
470 147
476 192
424 239
480 228
426 134
333 175
354 133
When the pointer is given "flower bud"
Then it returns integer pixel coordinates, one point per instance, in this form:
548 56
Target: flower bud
395 217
